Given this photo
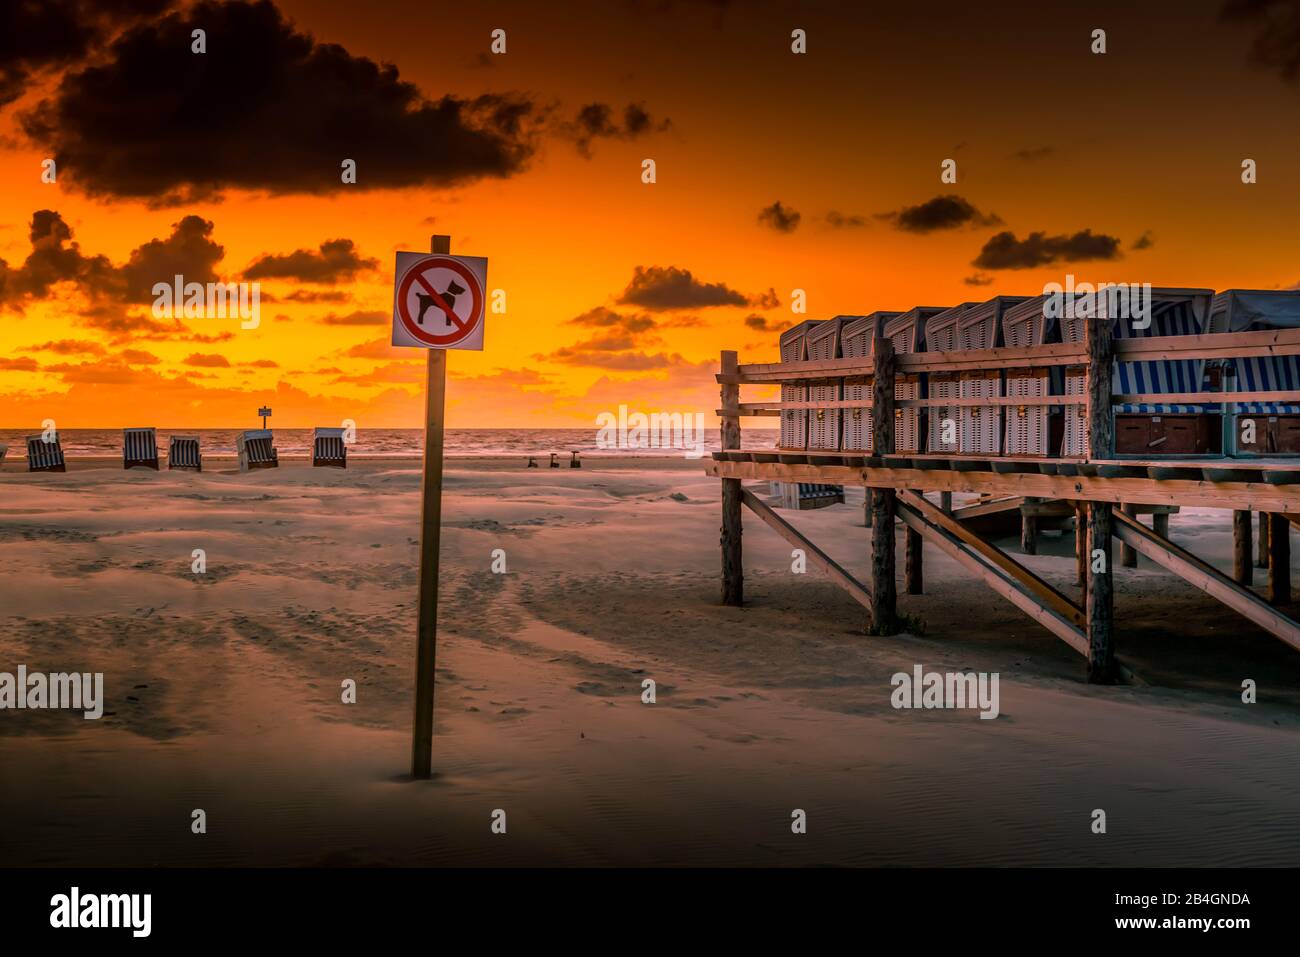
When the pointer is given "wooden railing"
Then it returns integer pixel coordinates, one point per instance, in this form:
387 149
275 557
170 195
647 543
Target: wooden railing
1233 345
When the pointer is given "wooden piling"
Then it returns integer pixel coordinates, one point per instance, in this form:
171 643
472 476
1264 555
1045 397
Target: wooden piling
1279 559
1262 560
1081 544
884 596
1242 569
1029 530
913 572
1101 445
1128 557
733 571
1160 523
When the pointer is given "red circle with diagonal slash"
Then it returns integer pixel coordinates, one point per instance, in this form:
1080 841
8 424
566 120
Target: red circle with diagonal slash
463 328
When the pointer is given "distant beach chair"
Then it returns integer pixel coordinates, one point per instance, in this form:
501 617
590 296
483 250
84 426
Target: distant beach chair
575 462
183 453
328 449
140 448
3 449
45 456
555 460
256 451
532 462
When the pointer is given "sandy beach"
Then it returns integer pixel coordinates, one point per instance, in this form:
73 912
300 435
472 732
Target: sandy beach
223 689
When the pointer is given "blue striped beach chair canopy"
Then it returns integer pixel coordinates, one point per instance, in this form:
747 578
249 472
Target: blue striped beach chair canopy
1174 312
1255 310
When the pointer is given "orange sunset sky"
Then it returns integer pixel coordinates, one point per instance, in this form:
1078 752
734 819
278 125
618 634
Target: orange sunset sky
1124 166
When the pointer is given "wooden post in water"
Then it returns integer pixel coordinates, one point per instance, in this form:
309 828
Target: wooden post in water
733 569
1128 556
884 593
426 646
1279 559
1262 560
1101 445
1242 570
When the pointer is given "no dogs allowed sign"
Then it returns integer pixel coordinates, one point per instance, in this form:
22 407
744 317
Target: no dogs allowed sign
439 300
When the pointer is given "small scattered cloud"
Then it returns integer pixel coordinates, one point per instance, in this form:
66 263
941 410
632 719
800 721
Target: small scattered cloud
601 121
207 360
660 288
780 217
360 317
1005 251
1145 241
942 212
337 260
1033 154
838 220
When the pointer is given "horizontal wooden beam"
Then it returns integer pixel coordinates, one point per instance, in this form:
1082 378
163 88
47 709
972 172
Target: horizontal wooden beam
814 554
1205 398
1205 577
1257 496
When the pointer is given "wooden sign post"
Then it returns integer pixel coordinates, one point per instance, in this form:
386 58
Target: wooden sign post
438 304
426 642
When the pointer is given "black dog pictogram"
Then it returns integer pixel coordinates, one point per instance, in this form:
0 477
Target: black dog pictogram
449 297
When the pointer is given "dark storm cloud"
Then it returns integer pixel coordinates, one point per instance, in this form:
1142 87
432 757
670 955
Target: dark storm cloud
336 261
660 288
1005 251
1276 44
599 121
780 217
37 34
942 212
267 107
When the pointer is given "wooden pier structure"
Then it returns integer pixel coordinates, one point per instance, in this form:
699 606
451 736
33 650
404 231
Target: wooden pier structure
1090 487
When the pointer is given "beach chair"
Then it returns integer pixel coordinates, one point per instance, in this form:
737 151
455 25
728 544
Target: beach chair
942 333
183 453
1033 430
1146 429
45 456
140 448
328 450
980 327
823 342
1260 428
3 449
256 450
806 495
857 335
793 346
906 333
575 462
